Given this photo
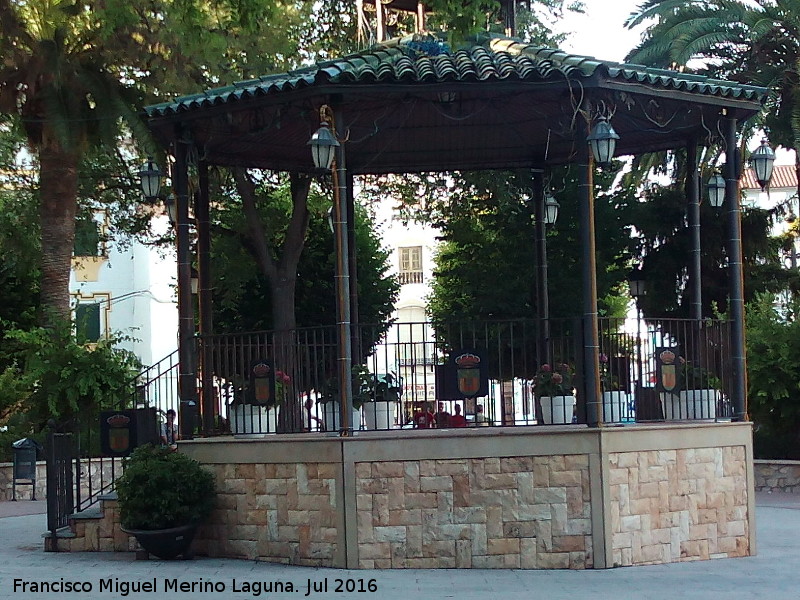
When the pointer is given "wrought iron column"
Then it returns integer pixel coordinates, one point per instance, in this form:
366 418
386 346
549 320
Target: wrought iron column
345 359
187 372
735 275
591 341
693 214
352 258
204 297
542 295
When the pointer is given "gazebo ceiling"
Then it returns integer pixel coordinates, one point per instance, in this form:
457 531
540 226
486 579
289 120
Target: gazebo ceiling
409 105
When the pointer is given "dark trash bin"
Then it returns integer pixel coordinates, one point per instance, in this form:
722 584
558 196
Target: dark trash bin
25 453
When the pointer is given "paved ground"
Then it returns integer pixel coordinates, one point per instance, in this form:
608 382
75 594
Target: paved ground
774 574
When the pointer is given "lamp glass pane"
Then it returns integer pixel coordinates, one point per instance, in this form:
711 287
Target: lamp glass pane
716 191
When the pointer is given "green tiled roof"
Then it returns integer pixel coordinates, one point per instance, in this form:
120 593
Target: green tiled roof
491 58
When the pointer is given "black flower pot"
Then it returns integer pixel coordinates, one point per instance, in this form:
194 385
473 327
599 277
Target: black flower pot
165 543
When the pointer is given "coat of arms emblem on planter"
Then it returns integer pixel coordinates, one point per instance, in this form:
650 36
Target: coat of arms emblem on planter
119 433
668 374
468 373
261 382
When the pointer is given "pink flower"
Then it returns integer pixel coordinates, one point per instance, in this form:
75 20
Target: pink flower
546 368
603 358
557 378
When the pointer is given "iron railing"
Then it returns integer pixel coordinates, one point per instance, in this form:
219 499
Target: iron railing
59 453
408 362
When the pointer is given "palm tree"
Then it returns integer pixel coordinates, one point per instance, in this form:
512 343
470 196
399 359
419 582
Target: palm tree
750 41
54 79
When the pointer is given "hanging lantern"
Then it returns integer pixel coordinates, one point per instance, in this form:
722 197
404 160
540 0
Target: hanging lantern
323 145
551 207
762 160
603 140
716 190
150 178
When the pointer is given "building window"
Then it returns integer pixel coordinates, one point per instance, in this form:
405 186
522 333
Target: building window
411 264
87 323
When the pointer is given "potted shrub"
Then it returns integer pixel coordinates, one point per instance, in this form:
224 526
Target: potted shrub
698 395
614 397
361 381
554 390
700 392
249 416
384 396
163 496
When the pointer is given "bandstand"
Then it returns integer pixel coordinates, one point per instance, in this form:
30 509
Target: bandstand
604 491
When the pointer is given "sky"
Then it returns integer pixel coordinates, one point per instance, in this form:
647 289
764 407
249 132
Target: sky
600 32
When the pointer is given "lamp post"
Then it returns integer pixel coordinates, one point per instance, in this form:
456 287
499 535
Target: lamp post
636 284
545 213
324 148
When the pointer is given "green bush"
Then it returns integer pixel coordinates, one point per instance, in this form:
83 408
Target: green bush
773 376
160 489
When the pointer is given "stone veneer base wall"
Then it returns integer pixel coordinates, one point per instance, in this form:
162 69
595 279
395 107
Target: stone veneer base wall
98 469
555 497
675 505
777 476
529 512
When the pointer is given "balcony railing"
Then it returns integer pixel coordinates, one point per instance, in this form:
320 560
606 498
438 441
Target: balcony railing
405 277
410 359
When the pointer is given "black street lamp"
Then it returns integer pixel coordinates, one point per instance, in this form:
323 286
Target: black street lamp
716 190
171 208
762 160
603 141
551 207
150 179
323 146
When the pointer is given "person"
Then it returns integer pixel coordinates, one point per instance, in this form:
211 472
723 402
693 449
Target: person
424 419
480 418
457 419
310 419
442 417
169 431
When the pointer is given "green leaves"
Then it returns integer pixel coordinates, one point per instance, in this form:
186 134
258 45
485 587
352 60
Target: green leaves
160 489
773 365
65 378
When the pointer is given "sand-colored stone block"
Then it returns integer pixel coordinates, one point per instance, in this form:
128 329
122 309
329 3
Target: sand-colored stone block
388 469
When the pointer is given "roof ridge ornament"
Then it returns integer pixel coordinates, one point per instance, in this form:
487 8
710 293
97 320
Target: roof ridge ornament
425 44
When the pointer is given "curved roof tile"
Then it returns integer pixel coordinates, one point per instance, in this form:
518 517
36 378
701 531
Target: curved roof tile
491 57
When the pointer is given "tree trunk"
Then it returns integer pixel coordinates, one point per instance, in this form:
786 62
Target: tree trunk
58 191
282 289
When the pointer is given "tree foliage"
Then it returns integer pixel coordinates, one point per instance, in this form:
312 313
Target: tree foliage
753 42
244 299
486 268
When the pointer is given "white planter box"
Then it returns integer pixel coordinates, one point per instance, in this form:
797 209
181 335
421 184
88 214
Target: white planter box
557 409
330 416
248 418
380 414
690 404
615 407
